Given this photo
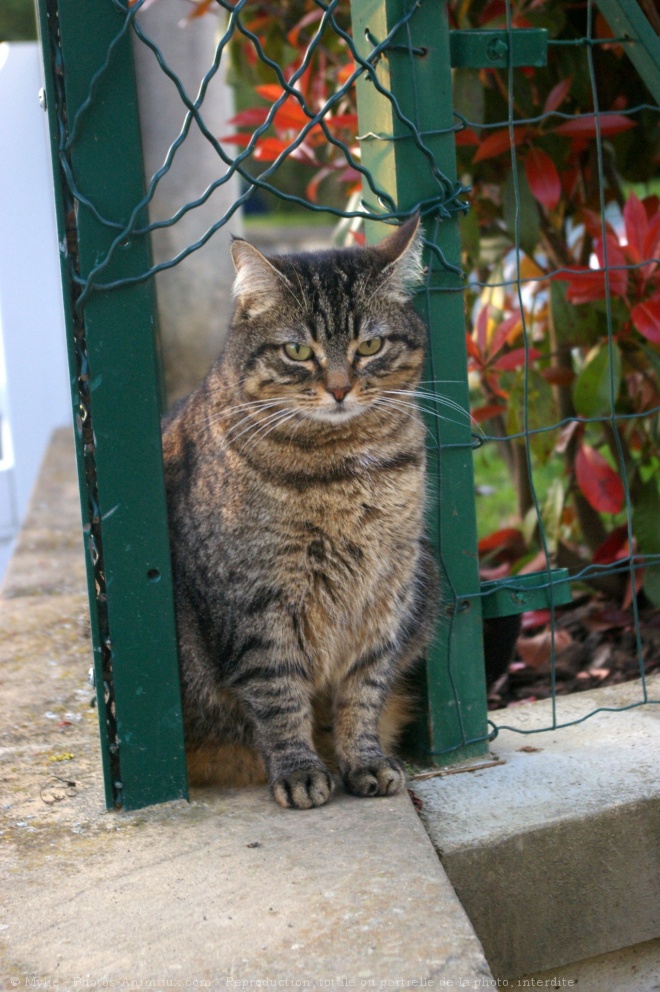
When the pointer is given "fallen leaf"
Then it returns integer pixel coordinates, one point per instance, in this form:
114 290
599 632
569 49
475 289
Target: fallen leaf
537 651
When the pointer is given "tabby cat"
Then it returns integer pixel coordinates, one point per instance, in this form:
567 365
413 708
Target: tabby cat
304 585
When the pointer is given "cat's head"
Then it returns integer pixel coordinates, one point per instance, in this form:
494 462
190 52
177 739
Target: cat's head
330 334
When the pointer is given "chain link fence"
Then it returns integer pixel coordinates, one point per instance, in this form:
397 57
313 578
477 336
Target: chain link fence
372 103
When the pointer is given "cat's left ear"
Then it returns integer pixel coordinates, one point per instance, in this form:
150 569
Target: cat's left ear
258 282
401 253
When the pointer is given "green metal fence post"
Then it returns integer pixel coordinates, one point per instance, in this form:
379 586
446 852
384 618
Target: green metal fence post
114 376
627 20
416 68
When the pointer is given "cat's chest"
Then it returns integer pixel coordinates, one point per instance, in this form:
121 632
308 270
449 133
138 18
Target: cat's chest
352 528
347 559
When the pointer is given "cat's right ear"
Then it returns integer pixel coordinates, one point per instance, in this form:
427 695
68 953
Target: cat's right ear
257 281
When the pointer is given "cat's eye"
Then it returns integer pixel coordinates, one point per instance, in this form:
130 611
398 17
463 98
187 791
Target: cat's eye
370 347
298 352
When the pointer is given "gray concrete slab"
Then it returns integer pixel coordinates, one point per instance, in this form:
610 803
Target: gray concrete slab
227 891
633 969
555 851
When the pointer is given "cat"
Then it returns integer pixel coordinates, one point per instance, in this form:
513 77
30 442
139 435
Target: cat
305 588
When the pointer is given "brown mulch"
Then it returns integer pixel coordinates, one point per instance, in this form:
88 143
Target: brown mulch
595 644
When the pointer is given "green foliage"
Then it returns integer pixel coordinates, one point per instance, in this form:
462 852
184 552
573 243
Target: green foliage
17 20
646 526
595 334
596 388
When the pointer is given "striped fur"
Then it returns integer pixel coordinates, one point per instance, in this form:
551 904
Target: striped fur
304 585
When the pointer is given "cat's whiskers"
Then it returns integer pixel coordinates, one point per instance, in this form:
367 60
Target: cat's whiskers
417 409
240 408
397 408
435 398
272 423
255 424
250 411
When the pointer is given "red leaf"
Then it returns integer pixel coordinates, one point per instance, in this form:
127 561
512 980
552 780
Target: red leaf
343 120
235 139
482 413
290 116
481 328
651 248
543 177
646 318
252 117
269 149
535 618
598 482
501 334
514 359
594 223
558 376
637 224
557 95
585 127
585 285
507 540
609 550
270 91
466 136
498 142
345 72
472 347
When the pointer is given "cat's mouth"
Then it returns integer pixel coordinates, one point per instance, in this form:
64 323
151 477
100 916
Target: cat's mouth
335 413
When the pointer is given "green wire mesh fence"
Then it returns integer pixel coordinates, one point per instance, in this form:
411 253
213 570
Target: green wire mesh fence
431 78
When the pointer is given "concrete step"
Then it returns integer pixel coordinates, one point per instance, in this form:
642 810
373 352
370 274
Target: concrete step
554 851
227 890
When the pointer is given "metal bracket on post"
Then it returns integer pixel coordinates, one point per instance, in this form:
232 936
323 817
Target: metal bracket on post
475 49
97 164
521 593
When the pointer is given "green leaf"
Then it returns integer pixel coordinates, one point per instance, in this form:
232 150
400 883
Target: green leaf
552 512
592 392
469 95
519 195
646 528
653 359
574 325
469 228
540 406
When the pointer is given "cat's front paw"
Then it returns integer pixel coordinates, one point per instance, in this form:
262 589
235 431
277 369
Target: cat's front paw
380 777
303 788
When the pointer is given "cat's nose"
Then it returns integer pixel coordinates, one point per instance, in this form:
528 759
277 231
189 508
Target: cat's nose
339 392
338 386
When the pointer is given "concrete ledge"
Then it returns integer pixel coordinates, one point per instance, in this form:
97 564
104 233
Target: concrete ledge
555 854
229 888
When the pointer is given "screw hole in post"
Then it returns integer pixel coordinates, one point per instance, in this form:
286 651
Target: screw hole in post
153 575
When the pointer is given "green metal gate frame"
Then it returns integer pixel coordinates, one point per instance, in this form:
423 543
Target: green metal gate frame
95 138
